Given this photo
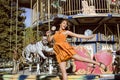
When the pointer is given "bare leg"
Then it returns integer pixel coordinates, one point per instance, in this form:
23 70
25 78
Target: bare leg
63 70
80 58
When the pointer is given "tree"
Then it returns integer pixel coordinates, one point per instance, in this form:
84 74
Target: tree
11 28
29 36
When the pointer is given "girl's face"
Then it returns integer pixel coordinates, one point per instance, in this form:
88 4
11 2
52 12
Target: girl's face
63 25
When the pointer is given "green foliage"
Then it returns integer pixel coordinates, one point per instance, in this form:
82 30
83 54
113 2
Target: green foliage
29 36
11 36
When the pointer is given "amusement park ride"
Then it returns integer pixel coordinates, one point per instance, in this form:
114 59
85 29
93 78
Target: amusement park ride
99 17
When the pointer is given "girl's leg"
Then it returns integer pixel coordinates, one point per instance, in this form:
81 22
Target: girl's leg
80 58
63 70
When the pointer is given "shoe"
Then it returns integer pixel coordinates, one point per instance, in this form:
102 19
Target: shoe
100 65
93 67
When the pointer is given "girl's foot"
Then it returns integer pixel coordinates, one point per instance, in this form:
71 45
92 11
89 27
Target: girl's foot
103 66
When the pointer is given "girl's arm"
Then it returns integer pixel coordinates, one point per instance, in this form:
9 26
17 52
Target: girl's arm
79 35
49 36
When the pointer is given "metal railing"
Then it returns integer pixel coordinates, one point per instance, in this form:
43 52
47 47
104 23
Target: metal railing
6 65
73 7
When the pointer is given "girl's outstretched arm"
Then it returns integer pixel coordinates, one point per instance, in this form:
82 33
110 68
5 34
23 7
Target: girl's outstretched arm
79 35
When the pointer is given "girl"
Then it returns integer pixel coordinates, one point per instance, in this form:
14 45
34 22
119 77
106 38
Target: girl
63 50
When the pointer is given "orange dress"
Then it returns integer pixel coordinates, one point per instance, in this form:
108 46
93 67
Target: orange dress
62 48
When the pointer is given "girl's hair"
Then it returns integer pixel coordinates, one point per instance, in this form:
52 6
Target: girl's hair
57 21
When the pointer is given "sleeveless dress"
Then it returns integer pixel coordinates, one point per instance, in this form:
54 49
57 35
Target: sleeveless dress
62 48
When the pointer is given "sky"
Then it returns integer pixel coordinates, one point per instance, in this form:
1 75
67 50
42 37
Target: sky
28 17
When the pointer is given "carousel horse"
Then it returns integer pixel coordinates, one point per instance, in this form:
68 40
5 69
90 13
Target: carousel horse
36 49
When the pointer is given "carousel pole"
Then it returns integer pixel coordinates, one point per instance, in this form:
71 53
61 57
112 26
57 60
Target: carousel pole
31 13
11 27
50 61
69 7
38 65
16 21
105 28
37 20
58 6
30 65
118 34
49 14
74 32
11 31
16 47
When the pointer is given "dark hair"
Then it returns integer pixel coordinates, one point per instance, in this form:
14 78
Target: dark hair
57 21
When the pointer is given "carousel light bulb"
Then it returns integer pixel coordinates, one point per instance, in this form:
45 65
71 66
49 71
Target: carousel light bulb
88 32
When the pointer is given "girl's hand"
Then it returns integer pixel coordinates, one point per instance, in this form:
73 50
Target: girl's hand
92 36
48 33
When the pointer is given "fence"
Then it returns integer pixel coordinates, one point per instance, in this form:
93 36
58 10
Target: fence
45 9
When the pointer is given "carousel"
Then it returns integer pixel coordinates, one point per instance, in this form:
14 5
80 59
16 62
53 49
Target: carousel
99 17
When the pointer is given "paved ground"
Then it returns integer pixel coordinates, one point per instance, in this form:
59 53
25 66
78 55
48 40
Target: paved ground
27 75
